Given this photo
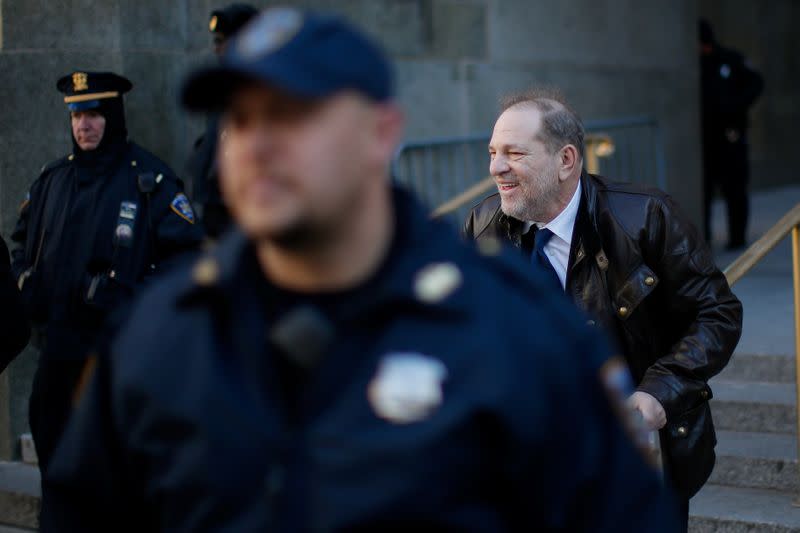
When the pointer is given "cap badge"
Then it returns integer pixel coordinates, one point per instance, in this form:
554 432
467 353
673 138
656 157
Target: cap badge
270 31
407 387
80 81
212 24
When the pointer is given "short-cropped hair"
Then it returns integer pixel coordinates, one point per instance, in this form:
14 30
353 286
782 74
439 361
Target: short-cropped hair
561 125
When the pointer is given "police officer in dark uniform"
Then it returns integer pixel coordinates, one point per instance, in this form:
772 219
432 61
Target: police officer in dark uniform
14 327
329 366
202 167
729 88
95 226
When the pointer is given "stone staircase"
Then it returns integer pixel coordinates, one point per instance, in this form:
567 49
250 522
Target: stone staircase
756 477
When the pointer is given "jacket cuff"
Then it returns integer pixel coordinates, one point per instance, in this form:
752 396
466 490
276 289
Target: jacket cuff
676 395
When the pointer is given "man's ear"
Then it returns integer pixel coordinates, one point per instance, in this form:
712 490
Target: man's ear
389 130
568 161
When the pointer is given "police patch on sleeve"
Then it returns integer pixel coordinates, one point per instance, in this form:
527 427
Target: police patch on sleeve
180 204
618 384
25 202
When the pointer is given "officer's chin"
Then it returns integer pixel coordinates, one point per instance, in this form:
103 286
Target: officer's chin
88 146
296 236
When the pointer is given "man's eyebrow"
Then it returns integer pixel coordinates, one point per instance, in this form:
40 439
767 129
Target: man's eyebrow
507 146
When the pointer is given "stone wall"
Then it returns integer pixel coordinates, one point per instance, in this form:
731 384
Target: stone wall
454 59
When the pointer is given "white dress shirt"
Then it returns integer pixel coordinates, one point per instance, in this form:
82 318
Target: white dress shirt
557 248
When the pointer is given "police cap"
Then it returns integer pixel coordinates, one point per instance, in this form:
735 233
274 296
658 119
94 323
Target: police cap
228 20
303 53
84 90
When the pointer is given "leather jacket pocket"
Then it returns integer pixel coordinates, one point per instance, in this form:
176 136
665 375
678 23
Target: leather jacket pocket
690 449
636 288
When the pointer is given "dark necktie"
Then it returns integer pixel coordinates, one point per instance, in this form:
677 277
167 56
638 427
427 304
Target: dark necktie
539 258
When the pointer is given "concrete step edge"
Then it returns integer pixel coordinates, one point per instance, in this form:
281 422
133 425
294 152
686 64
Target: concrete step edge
718 506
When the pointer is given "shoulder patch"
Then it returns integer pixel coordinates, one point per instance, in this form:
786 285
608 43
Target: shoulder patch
180 204
25 202
618 384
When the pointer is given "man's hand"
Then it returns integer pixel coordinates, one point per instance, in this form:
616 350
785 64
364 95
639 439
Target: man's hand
652 412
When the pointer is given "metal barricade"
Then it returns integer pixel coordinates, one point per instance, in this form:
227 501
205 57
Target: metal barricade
625 149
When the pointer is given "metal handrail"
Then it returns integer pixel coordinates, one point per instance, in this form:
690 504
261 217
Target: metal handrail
460 200
759 249
788 224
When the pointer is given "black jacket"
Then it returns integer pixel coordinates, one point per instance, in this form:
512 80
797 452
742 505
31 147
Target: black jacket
639 269
74 261
14 328
729 88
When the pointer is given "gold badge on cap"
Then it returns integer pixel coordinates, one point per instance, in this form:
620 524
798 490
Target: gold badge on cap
212 24
80 81
273 28
407 387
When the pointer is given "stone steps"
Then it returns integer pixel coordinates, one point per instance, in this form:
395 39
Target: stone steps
755 407
760 367
756 478
756 460
19 495
721 509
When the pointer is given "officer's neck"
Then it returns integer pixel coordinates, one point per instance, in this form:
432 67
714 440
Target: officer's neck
345 258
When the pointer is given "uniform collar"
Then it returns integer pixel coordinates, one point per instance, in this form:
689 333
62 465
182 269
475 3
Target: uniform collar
420 271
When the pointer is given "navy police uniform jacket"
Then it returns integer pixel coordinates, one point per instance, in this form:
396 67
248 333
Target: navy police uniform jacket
412 407
88 237
14 328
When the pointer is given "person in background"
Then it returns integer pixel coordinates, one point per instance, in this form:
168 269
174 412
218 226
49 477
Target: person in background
95 225
729 87
202 164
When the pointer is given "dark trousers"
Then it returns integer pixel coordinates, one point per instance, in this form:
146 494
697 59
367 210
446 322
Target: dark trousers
726 168
50 403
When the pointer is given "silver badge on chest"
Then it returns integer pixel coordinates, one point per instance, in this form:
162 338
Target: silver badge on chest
407 387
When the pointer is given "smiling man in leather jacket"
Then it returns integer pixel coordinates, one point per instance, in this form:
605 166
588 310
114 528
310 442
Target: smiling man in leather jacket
628 257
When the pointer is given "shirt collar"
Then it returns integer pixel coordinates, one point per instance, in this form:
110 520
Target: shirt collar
563 224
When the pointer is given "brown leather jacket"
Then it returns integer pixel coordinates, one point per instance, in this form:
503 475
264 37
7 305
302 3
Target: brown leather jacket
639 269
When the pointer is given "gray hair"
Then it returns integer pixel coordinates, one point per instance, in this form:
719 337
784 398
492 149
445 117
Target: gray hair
561 125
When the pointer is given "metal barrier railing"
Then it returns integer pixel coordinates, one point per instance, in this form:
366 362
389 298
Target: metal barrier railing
441 170
789 224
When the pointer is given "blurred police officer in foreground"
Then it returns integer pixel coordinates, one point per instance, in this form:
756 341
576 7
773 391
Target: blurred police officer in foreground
330 365
628 257
14 327
202 164
729 88
95 225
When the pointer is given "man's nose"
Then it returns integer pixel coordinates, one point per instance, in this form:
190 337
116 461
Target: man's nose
498 165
